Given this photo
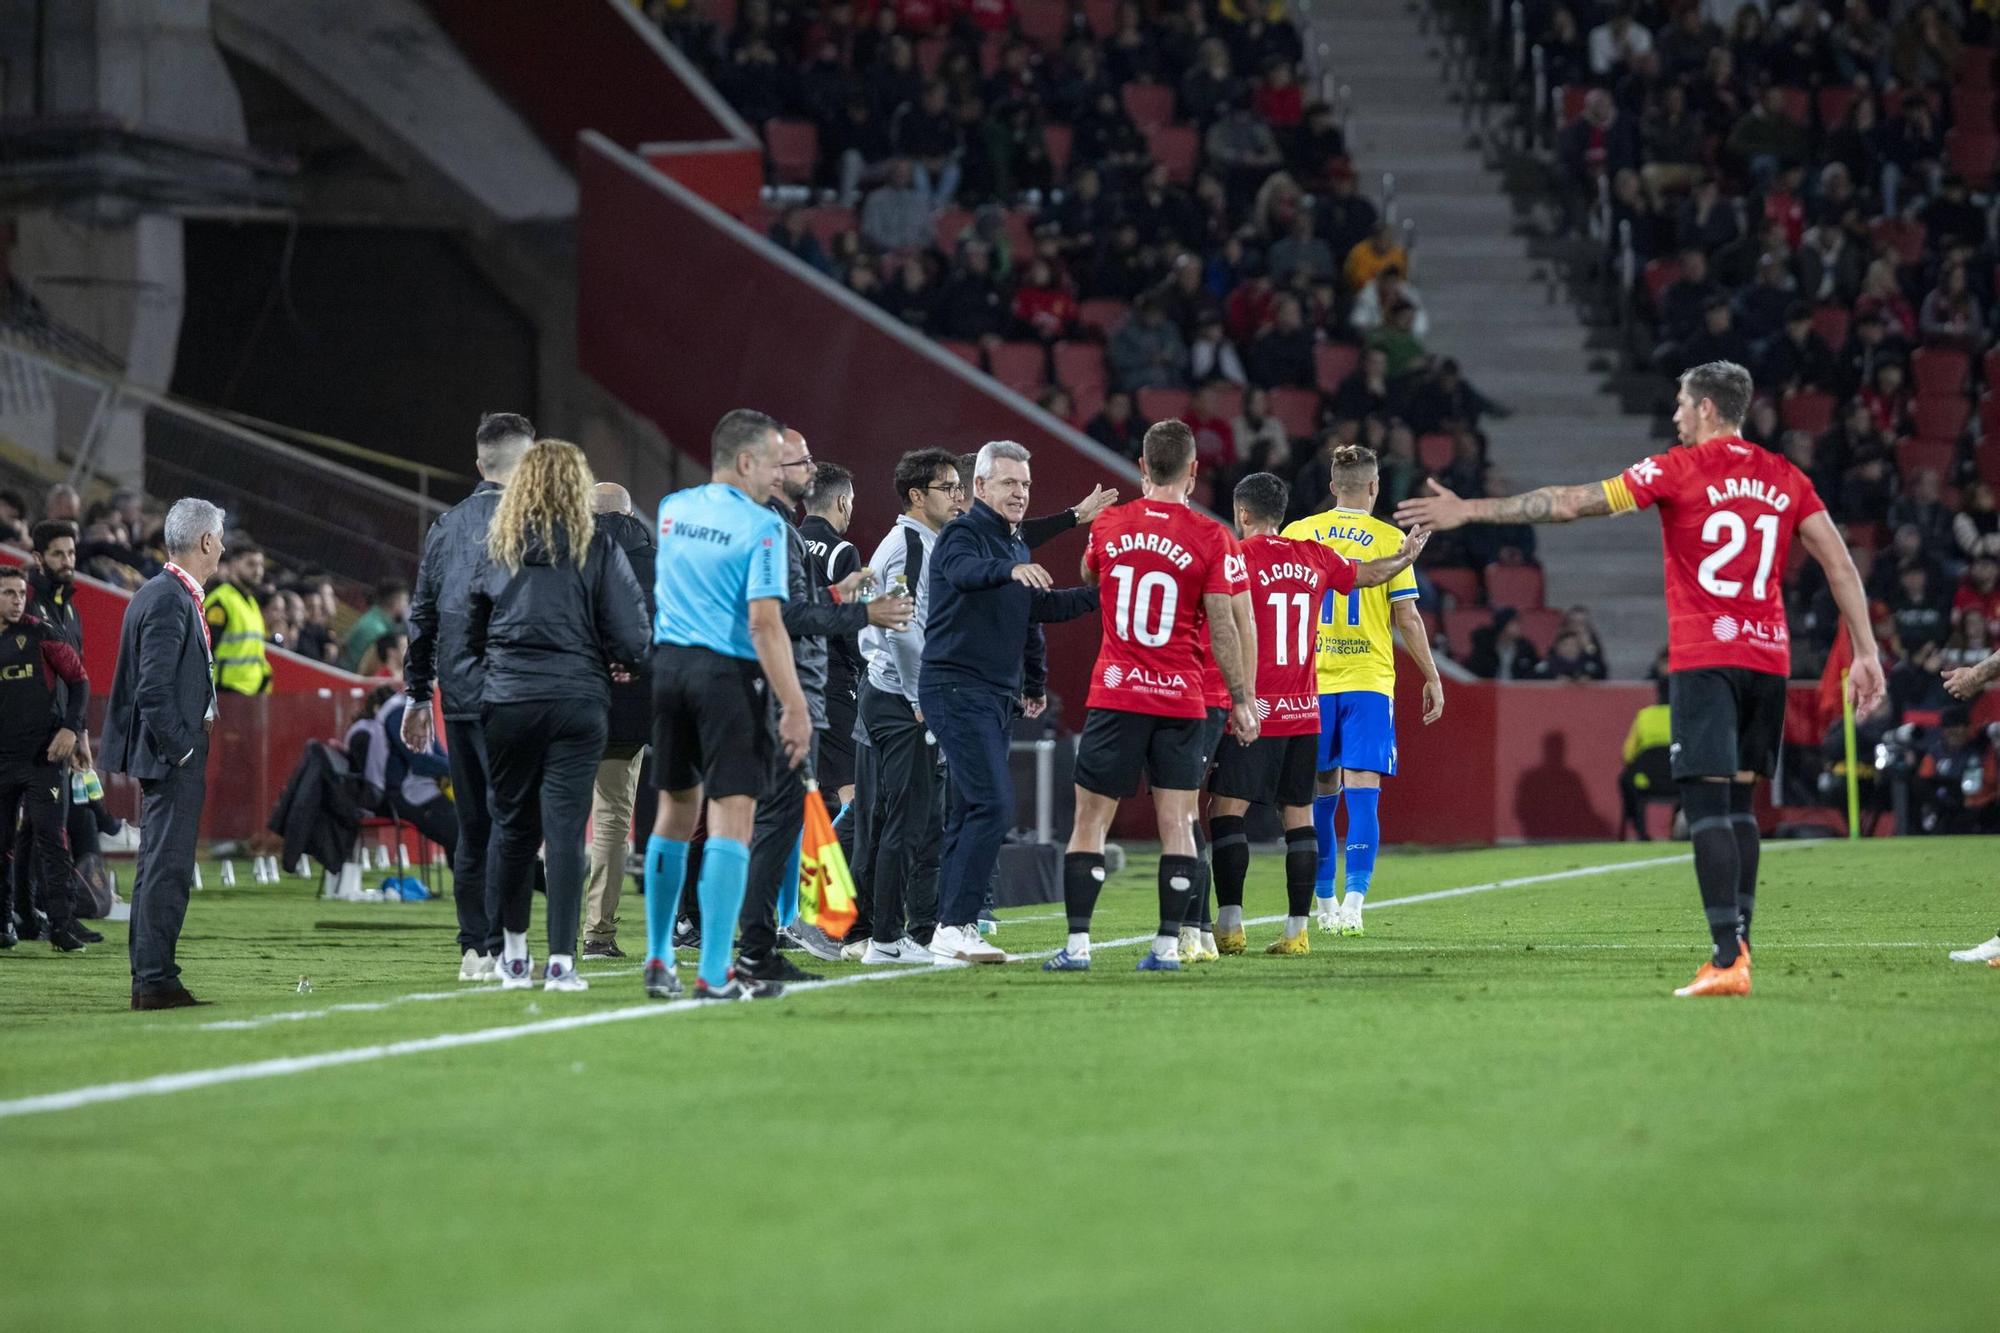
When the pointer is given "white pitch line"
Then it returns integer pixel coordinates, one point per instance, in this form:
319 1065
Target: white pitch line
190 1080
371 1006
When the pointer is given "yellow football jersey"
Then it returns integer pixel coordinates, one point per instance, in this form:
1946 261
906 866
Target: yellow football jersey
1357 645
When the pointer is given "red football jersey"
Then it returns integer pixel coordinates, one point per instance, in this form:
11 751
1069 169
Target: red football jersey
1154 562
1288 581
1728 510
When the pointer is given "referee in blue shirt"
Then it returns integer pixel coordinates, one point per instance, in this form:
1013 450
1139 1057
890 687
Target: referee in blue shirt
720 587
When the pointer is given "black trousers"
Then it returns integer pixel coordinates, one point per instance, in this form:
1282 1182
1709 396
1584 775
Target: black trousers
466 743
911 809
544 755
435 819
38 793
169 824
858 837
781 819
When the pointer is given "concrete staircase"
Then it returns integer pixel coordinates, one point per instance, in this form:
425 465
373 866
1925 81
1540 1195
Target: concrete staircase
1496 308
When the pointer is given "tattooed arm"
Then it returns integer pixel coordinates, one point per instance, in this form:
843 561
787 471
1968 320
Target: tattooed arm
1442 510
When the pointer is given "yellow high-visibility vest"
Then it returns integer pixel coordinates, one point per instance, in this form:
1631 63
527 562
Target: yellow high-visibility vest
240 664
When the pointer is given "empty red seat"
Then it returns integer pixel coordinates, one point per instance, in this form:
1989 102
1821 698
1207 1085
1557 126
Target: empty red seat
1163 404
1086 399
1434 451
1043 22
1904 235
1798 105
828 221
1461 623
793 149
1833 104
1975 67
1149 104
1298 409
1970 151
1102 15
1940 417
1518 586
1057 140
950 225
1021 366
1461 585
1078 364
1176 148
1332 363
1939 370
1018 226
1102 317
1568 103
1539 625
1914 456
1830 322
1972 108
1808 410
1228 401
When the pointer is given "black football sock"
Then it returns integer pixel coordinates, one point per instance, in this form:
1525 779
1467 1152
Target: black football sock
1749 846
1230 850
1083 880
1301 867
1178 877
1715 862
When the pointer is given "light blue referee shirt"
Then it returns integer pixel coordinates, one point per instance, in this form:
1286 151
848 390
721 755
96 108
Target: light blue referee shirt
719 551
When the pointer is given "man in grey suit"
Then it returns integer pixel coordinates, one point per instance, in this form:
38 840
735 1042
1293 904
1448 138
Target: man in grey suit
156 729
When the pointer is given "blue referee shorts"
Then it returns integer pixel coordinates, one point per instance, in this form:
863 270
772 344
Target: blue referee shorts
1357 730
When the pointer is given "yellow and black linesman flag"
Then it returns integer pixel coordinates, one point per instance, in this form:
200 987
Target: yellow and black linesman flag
826 888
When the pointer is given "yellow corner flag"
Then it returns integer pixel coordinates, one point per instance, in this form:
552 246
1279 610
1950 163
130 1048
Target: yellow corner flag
826 889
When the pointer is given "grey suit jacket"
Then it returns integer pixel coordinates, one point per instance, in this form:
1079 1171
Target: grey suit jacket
163 687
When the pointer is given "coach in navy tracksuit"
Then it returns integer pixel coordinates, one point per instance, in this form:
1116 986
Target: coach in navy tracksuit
982 660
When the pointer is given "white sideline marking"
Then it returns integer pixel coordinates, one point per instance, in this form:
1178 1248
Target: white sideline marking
190 1080
370 1006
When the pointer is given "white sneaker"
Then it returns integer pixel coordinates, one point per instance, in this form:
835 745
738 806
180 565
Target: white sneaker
475 966
516 973
562 976
125 840
853 953
962 944
878 955
1350 915
1978 953
913 952
1327 917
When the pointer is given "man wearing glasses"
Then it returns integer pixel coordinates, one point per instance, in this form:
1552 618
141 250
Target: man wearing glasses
813 611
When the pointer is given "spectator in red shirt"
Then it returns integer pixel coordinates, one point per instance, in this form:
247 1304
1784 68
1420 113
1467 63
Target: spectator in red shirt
1979 591
1044 310
1887 399
1214 436
1279 101
1881 296
1249 308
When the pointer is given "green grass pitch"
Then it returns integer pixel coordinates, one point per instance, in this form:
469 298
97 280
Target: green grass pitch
1488 1113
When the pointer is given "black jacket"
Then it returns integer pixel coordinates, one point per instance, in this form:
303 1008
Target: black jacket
632 702
548 630
834 558
812 617
981 626
319 813
163 686
454 549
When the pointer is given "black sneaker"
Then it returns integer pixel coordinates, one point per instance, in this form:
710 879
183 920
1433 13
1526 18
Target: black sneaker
687 934
64 939
602 949
772 967
737 988
662 981
85 933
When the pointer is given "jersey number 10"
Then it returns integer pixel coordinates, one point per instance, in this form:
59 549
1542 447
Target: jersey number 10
1729 529
1145 612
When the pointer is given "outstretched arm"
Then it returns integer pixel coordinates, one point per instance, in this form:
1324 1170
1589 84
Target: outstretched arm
1368 573
1442 510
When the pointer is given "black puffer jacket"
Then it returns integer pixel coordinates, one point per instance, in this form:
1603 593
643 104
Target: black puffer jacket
454 548
632 702
547 631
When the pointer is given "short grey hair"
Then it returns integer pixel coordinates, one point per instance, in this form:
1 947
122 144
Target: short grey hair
188 522
992 452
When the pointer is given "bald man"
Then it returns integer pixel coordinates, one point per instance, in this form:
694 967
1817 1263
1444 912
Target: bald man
631 727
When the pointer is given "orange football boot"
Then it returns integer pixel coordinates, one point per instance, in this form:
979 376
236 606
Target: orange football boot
1713 980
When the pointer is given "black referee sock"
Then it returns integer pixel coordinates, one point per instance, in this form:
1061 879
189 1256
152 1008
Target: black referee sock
1229 848
1749 847
1716 865
1178 877
1083 880
1301 868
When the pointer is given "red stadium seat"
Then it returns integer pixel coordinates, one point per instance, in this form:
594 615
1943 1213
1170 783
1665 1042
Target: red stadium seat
1939 370
1176 147
1904 235
1228 401
793 148
1975 67
1798 106
1540 625
1807 410
1833 104
1163 404
1518 586
1989 416
991 48
1914 456
1989 370
1461 585
1298 409
1972 108
1044 22
1658 275
1460 624
1971 152
829 220
1988 458
1057 139
1434 451
1102 15
1332 363
1102 317
1018 226
1021 366
966 352
1078 364
1087 399
950 225
1149 104
1940 417
1568 103
1830 322
930 54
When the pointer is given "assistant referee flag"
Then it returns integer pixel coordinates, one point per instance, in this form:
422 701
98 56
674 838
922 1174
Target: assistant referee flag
826 888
